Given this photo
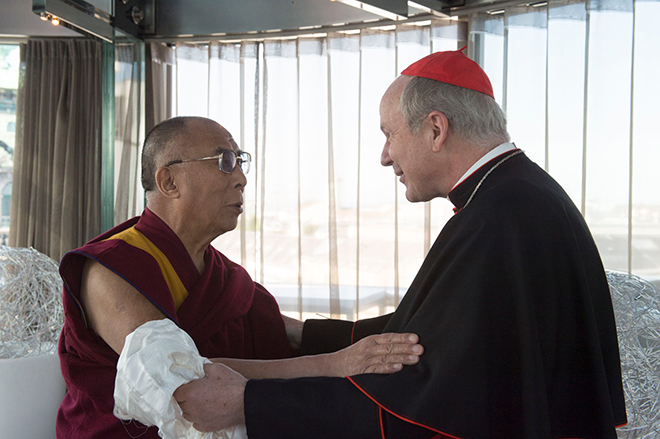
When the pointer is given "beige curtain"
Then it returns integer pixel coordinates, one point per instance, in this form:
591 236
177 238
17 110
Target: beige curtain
326 228
57 168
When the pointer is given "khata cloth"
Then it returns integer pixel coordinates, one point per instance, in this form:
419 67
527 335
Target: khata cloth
225 312
514 312
157 358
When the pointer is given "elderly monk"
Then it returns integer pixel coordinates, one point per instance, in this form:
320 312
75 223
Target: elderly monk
511 303
161 266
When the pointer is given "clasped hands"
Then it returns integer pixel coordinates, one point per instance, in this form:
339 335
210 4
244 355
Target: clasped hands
215 402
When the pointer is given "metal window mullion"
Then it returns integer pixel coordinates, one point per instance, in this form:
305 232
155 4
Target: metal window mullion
547 91
176 80
333 275
359 146
241 74
256 103
631 146
396 194
300 300
583 203
208 80
264 117
427 204
107 135
505 63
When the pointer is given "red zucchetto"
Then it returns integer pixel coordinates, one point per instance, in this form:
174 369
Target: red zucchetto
452 67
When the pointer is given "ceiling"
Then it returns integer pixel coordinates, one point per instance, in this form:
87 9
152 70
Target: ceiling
17 19
191 18
205 17
201 17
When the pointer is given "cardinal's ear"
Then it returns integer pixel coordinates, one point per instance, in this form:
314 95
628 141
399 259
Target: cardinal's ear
439 125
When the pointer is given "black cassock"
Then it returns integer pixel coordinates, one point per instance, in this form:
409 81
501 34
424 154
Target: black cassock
513 308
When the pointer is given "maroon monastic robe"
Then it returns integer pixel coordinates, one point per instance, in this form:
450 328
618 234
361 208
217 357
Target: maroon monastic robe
225 312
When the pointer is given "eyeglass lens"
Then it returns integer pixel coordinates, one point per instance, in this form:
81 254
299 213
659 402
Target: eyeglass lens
227 162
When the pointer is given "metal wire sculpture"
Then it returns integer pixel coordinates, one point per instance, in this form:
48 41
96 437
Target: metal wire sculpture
637 309
31 318
31 314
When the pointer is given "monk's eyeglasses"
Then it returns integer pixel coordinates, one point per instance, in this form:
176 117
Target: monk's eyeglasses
227 161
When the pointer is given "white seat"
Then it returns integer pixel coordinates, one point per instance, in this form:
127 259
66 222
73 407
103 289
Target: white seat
31 390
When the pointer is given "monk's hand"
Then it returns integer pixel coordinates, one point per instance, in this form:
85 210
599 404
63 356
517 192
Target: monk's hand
294 330
215 401
382 353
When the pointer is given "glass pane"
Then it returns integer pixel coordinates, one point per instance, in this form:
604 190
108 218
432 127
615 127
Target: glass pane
9 70
224 107
526 80
293 87
225 83
608 134
232 70
313 176
646 154
412 44
192 76
487 48
377 184
345 71
566 61
448 35
103 5
129 126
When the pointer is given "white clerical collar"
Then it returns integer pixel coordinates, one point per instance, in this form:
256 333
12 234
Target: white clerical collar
498 150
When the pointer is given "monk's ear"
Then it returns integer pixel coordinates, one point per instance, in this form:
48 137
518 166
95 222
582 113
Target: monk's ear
166 182
440 127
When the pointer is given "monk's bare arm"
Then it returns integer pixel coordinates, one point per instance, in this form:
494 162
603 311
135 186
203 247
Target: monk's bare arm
382 353
217 399
114 309
112 306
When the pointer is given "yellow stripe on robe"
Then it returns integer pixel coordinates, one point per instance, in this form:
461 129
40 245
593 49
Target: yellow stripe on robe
136 239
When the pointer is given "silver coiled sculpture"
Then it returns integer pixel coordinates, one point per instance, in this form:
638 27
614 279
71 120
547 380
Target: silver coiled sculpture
31 314
637 309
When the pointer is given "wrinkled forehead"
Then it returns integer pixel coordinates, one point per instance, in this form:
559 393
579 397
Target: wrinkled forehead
210 138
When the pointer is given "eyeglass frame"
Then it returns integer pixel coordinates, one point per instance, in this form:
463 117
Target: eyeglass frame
238 160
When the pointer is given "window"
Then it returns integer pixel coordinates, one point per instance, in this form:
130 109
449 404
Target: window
6 204
9 68
326 228
556 66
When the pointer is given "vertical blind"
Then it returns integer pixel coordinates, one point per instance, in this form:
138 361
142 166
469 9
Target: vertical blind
576 80
328 230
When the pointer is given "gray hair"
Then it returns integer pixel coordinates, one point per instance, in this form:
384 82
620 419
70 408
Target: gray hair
472 115
158 145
